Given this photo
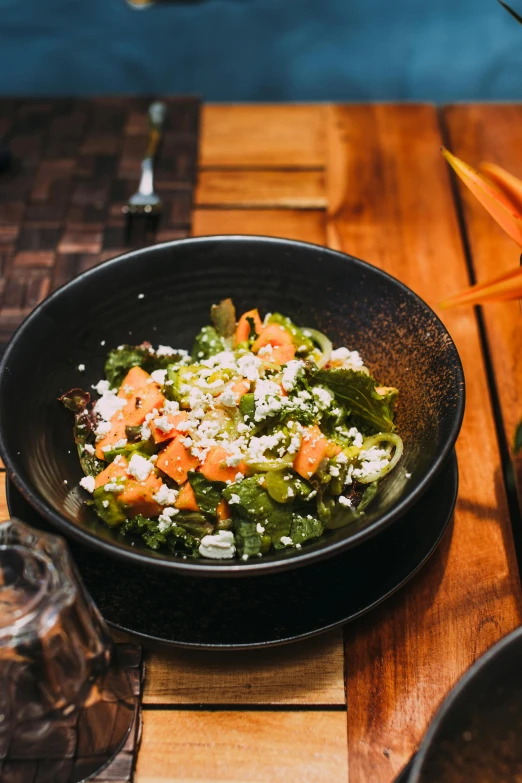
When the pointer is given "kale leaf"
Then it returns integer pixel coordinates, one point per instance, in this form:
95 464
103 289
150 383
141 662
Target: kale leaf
357 391
175 538
208 493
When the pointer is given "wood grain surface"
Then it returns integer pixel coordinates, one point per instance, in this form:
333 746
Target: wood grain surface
308 673
267 136
493 133
401 217
380 191
236 747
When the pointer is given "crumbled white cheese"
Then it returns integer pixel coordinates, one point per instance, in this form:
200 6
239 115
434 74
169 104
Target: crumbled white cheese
113 486
103 428
158 376
234 499
286 541
105 503
120 443
218 547
89 448
139 467
88 483
259 527
166 496
141 296
268 400
323 398
228 398
169 406
373 460
349 359
291 372
266 350
166 350
162 423
108 405
248 365
354 433
81 367
333 471
102 387
344 501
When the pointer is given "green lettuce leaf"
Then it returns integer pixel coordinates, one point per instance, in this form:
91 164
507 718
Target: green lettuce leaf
356 391
120 360
256 506
206 344
208 493
305 529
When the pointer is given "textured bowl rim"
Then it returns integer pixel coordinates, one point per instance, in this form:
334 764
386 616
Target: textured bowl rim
224 569
453 696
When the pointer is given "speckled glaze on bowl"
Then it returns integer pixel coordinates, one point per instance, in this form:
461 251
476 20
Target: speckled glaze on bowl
401 339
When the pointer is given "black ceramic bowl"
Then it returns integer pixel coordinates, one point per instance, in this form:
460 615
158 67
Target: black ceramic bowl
400 338
475 736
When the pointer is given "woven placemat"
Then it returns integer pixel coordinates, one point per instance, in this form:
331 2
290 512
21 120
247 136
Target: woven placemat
75 163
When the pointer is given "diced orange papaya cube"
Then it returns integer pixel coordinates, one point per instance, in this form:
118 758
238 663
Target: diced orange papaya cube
176 460
137 497
273 334
117 433
223 510
333 449
159 435
243 327
313 449
135 380
215 466
115 470
240 388
186 499
280 354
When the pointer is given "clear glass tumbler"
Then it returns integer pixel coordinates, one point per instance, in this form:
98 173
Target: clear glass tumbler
62 697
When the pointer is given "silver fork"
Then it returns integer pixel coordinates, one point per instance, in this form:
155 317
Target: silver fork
145 201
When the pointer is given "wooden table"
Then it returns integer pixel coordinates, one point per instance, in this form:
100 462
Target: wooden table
368 180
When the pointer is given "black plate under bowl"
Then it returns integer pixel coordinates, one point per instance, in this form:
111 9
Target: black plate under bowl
475 736
163 294
264 610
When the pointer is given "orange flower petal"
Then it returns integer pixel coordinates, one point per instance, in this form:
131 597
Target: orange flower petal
510 185
497 203
499 289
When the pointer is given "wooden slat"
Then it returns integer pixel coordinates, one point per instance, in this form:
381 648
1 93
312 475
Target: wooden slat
293 189
306 673
236 747
493 133
391 203
306 225
264 136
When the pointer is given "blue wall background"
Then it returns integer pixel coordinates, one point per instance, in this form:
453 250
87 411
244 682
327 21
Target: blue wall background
263 50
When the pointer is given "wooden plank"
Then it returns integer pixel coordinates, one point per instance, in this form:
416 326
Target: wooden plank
236 747
307 673
402 659
305 225
263 136
493 133
293 189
